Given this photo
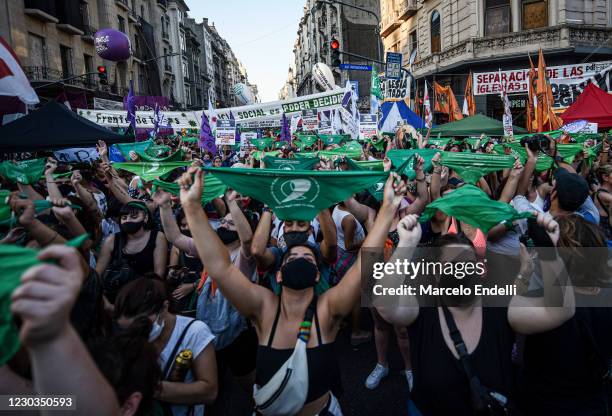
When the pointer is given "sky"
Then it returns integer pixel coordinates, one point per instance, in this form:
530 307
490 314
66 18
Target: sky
261 34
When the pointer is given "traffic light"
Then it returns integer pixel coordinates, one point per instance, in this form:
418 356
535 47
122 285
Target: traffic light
335 52
102 75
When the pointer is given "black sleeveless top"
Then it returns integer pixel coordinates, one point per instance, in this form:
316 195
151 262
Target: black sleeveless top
322 363
441 386
143 261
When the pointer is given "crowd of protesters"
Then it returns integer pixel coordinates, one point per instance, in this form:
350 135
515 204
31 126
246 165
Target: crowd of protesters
167 295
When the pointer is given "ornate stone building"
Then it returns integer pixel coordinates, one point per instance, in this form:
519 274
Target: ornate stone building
453 37
355 30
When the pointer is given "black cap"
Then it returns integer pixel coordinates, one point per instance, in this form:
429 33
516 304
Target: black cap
572 189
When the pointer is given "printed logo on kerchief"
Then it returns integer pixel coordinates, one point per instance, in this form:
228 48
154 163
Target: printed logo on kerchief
288 190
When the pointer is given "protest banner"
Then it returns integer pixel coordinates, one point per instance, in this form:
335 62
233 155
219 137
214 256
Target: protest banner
310 120
77 155
226 132
565 80
368 126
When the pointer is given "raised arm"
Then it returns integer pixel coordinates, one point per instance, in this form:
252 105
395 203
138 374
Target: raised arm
329 244
342 298
84 194
243 227
434 186
44 235
407 310
259 247
511 184
422 199
246 297
531 315
43 301
52 188
171 229
527 174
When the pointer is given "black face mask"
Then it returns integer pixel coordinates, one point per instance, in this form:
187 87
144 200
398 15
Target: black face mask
293 238
186 233
131 227
227 236
299 274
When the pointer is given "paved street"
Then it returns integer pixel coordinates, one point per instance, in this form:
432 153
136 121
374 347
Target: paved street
355 365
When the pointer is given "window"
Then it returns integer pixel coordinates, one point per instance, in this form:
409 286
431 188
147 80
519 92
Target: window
37 51
185 69
84 11
142 85
187 97
142 11
66 56
182 40
89 68
497 17
166 61
435 32
535 14
413 40
121 22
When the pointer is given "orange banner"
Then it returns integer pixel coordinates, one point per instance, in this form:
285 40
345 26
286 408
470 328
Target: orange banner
446 102
469 95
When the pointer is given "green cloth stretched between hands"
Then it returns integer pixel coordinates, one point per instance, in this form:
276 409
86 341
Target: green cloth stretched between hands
290 164
15 261
25 172
138 147
294 195
329 139
263 143
174 157
473 206
213 188
473 166
150 170
399 157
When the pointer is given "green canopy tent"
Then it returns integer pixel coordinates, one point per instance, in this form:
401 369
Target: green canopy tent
474 126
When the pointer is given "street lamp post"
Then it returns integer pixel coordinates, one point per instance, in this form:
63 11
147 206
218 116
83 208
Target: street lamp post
377 31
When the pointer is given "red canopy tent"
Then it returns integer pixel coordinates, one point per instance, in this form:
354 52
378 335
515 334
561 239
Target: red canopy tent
593 105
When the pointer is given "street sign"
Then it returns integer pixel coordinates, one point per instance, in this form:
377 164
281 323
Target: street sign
393 65
354 67
355 87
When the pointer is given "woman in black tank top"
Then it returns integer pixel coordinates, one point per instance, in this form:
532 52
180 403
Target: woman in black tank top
144 249
277 319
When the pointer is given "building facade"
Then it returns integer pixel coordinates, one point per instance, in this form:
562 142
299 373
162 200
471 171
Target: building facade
55 40
455 37
172 55
357 32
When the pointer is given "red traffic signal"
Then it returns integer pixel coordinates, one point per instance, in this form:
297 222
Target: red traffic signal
102 75
335 45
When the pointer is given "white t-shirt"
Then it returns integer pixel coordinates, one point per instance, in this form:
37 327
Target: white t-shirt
338 215
196 339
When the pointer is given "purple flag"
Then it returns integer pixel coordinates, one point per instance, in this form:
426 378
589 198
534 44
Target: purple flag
207 141
131 107
285 134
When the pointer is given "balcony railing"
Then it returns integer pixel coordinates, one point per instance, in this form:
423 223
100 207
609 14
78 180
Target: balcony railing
510 44
133 17
41 9
389 23
123 4
406 9
163 3
89 33
44 74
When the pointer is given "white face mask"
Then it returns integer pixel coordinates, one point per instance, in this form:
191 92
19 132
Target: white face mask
156 329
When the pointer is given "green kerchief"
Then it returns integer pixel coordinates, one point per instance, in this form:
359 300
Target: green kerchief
306 163
213 188
174 157
138 147
25 172
473 166
399 157
329 139
15 261
472 205
149 171
294 195
263 144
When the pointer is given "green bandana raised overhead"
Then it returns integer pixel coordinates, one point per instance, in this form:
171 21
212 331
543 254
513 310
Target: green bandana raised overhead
307 163
473 166
305 140
149 171
15 260
473 206
399 157
174 157
138 147
213 188
26 172
329 139
264 143
294 195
